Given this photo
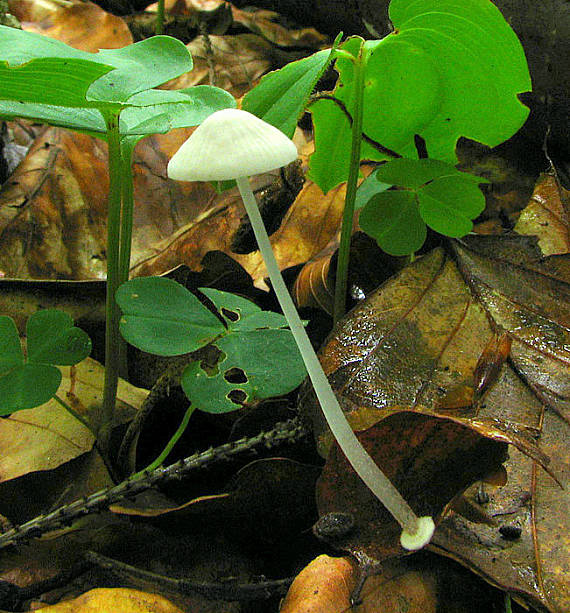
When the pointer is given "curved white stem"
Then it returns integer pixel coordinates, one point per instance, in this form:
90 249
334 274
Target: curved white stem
416 531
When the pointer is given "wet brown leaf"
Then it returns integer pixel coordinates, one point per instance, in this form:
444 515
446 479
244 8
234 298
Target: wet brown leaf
264 499
428 459
420 339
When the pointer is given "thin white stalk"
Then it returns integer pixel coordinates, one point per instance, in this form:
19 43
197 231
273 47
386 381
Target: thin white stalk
361 461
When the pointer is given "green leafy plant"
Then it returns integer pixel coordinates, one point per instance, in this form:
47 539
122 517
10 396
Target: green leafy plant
32 378
257 355
434 193
447 70
110 95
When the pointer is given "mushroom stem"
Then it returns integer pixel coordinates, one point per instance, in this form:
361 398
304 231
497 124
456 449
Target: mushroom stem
416 531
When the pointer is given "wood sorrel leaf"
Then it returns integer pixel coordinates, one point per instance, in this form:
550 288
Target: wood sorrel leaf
51 339
255 364
28 386
439 195
415 173
162 317
258 359
393 219
242 314
448 204
10 348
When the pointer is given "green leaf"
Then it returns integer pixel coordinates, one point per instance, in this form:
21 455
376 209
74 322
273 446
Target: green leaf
164 111
368 188
449 69
448 204
481 66
242 314
330 162
268 360
10 348
144 65
40 70
28 386
53 339
180 108
281 96
415 173
162 317
393 219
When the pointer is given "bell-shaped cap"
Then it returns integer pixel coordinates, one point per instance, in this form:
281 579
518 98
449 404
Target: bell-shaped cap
230 144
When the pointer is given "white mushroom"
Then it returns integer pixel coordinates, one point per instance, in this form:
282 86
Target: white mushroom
234 144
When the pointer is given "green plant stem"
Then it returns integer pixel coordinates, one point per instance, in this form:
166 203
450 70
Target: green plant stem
112 314
164 454
508 606
159 26
369 472
127 209
348 214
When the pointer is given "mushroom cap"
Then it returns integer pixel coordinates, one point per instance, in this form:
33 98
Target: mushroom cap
229 144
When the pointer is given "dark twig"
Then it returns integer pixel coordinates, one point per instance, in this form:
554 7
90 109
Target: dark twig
284 432
231 589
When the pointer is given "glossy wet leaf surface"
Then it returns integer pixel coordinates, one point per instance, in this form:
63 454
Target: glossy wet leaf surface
418 342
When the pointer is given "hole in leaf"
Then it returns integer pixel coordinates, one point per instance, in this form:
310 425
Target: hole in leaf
235 375
237 396
231 315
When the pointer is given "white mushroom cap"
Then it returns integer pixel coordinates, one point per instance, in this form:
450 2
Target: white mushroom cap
230 144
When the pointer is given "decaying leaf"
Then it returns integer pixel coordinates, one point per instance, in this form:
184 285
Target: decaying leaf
264 499
45 437
420 338
82 25
545 217
428 459
324 586
53 210
114 599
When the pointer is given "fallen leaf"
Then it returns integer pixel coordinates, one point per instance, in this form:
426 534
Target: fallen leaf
82 25
266 24
233 63
53 210
421 336
265 499
429 460
545 217
43 438
324 586
114 599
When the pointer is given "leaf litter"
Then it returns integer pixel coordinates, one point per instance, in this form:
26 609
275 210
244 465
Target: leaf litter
431 350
